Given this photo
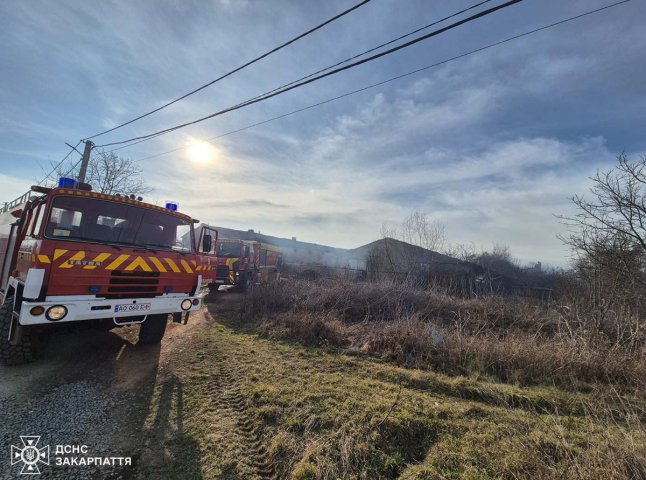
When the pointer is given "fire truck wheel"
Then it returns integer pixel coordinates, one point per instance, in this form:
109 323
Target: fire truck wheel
26 348
153 329
105 325
213 288
245 283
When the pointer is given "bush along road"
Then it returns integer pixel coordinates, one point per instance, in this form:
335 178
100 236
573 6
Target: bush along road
252 390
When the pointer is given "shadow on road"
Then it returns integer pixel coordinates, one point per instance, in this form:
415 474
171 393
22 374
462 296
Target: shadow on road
102 390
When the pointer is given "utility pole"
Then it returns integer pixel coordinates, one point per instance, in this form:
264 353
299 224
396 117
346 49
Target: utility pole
85 160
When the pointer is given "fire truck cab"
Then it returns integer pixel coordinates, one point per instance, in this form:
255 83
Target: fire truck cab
244 263
70 256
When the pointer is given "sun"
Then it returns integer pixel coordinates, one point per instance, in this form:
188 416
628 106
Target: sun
201 152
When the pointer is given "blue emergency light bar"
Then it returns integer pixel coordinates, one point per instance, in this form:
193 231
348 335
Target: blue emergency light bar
171 206
65 182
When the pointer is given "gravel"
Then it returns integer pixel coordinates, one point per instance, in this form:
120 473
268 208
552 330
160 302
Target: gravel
79 413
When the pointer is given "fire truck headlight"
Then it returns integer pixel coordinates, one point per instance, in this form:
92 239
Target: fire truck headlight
56 312
186 304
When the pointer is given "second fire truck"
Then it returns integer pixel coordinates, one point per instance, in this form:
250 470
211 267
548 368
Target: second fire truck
241 263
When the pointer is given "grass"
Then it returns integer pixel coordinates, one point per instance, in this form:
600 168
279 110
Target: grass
511 340
242 405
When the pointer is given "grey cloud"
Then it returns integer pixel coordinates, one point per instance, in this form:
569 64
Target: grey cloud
241 204
492 144
331 218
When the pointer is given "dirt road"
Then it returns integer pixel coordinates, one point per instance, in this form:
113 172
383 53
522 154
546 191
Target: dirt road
101 390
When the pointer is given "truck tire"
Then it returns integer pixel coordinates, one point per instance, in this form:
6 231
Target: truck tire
246 282
25 350
153 329
213 288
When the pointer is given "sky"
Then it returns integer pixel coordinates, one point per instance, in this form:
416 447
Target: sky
491 145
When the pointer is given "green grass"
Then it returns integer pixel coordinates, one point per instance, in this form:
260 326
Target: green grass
311 413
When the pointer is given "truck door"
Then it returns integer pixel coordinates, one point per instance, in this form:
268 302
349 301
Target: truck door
207 248
9 232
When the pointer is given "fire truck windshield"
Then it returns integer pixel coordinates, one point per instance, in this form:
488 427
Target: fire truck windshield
93 220
228 249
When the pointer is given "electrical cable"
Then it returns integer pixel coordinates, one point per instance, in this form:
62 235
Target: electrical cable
407 74
417 30
73 167
60 163
251 62
401 37
332 72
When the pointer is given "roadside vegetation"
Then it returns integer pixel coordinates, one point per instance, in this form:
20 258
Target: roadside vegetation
391 376
513 340
535 391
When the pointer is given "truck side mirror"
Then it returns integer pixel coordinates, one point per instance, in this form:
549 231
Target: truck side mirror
207 243
246 250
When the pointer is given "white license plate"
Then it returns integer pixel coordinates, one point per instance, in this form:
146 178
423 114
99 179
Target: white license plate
132 307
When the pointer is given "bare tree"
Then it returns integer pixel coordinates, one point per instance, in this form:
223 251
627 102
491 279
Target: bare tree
609 230
608 235
498 260
108 173
462 251
417 229
387 233
380 261
394 259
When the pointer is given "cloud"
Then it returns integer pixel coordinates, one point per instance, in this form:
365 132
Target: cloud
13 187
492 144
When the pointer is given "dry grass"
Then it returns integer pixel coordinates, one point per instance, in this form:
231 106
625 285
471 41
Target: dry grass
414 384
248 401
327 415
510 340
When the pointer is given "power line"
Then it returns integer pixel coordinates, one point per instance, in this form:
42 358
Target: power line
327 74
60 163
417 30
73 167
398 77
401 37
131 144
274 50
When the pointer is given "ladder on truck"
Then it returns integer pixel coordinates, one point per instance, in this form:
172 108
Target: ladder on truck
13 204
11 236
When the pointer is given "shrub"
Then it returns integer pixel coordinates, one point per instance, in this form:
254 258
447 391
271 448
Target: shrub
511 339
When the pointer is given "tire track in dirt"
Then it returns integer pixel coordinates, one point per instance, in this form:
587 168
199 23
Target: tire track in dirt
230 402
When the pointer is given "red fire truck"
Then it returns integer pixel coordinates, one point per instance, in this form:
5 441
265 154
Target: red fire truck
243 263
70 256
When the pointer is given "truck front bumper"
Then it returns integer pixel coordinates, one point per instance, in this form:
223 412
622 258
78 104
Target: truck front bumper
80 308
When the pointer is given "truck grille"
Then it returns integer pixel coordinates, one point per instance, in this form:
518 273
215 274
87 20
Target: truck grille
133 284
222 272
